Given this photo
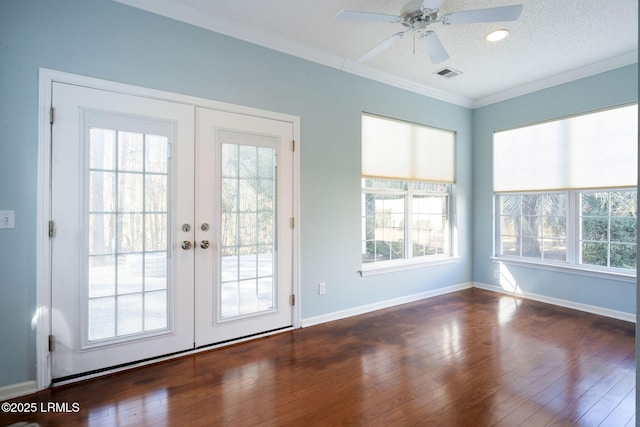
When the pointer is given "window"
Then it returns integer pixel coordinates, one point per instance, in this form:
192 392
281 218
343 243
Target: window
407 184
537 226
404 219
533 225
565 191
608 228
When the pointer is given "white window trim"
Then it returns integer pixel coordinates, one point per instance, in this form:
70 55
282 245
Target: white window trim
582 269
572 265
372 269
401 264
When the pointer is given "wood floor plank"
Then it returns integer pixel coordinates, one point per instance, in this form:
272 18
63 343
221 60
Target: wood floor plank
468 358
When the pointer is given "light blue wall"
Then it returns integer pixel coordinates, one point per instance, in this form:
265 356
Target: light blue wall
103 39
608 89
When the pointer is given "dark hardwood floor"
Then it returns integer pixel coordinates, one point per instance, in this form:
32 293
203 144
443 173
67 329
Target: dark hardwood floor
470 358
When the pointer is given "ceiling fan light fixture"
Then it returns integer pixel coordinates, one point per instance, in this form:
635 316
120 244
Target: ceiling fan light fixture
417 15
497 35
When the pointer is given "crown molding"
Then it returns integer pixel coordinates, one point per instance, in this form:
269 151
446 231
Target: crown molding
170 9
370 73
189 15
558 79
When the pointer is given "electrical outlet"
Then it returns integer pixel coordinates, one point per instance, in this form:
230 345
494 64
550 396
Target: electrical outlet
7 219
496 274
322 288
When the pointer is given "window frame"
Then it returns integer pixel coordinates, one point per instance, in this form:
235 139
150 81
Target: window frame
409 261
499 249
573 262
610 241
520 167
394 149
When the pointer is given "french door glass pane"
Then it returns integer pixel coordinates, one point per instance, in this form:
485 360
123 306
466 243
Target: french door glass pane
102 323
247 230
128 233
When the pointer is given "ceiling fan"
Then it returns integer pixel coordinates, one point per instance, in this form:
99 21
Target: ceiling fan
417 15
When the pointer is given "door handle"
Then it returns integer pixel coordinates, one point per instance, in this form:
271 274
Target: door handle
204 244
186 245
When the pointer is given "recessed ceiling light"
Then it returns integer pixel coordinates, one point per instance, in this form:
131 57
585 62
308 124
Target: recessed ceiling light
497 35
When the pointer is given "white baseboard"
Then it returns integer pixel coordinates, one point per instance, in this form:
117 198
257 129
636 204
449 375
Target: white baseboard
16 390
28 387
343 314
621 315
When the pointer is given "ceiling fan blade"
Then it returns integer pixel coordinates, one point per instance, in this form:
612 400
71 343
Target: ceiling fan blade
492 14
381 47
436 51
352 15
431 4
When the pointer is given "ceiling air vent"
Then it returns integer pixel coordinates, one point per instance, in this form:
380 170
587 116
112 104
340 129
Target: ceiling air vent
448 72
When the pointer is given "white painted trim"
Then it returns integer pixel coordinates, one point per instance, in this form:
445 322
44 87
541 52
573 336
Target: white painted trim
117 87
297 214
558 79
368 72
189 15
16 390
355 311
183 13
560 302
580 269
41 320
385 267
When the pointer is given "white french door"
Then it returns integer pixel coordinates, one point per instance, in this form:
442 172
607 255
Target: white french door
245 188
171 228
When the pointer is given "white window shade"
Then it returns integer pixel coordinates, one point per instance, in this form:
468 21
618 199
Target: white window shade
400 150
597 150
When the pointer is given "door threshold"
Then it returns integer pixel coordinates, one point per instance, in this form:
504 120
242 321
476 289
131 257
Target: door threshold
245 338
85 376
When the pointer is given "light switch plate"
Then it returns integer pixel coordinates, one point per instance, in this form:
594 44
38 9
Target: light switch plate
7 219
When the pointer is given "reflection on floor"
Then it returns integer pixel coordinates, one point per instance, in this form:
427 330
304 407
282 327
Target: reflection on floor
468 358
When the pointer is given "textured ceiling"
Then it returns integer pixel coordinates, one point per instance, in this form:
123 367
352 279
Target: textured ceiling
552 42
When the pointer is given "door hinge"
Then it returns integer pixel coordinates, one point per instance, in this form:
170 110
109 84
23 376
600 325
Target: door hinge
51 115
52 229
293 145
52 343
292 223
292 299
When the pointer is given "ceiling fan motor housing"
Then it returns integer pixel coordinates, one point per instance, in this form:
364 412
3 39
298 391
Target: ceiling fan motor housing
418 19
415 18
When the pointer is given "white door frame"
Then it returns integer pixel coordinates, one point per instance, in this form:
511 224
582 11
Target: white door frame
42 317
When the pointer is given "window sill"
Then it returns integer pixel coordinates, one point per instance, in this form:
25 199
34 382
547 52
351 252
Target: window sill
567 268
403 265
